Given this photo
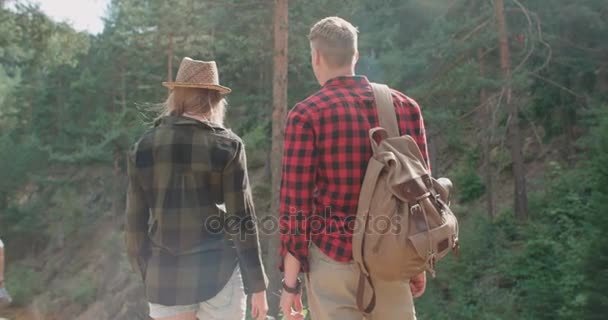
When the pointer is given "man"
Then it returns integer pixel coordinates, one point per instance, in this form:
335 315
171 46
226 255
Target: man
326 152
5 298
191 228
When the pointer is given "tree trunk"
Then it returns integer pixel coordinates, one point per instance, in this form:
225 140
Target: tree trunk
279 96
59 106
487 128
514 138
123 87
117 182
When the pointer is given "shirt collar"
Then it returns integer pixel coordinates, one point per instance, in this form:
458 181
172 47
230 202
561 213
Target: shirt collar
346 81
187 121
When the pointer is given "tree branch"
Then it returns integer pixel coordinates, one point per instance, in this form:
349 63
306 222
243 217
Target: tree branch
570 91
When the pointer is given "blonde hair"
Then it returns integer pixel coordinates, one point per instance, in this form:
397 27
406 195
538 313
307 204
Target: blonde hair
336 40
203 102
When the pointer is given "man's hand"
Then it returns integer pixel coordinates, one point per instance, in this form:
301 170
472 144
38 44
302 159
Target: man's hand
259 305
291 305
418 285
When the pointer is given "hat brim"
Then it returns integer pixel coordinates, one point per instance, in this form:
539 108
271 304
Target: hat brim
221 89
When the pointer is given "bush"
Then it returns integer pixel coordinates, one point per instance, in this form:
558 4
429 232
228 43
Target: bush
473 285
595 260
547 269
257 143
82 290
468 184
20 157
24 224
67 212
23 284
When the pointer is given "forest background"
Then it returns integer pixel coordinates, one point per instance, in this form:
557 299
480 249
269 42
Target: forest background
514 95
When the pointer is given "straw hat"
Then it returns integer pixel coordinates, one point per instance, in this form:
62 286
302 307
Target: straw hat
197 74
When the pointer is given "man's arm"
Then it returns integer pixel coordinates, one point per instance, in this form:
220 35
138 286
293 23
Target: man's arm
415 125
419 131
297 186
239 204
292 267
422 143
137 215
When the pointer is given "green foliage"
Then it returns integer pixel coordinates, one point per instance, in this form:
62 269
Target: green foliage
24 224
595 257
82 290
467 180
473 286
548 269
470 185
66 212
257 142
23 283
20 157
68 99
553 267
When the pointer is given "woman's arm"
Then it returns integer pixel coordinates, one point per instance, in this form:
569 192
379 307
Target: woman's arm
240 209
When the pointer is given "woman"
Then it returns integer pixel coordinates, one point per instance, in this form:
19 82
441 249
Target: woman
190 230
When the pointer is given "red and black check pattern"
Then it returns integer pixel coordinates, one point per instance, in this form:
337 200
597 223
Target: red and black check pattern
325 156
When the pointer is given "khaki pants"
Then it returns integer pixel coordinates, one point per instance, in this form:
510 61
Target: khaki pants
331 288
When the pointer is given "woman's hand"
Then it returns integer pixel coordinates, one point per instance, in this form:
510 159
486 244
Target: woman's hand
259 305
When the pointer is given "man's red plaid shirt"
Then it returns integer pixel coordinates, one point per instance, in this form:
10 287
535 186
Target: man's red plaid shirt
325 156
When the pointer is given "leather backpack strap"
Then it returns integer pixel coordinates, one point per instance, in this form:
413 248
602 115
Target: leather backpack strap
374 169
386 109
363 281
389 126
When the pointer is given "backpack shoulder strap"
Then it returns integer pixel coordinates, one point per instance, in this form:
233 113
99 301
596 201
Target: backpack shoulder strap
386 110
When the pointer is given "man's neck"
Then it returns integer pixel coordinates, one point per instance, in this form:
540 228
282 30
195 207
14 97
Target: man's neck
345 72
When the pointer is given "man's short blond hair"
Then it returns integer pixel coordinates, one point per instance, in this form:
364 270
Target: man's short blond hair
336 40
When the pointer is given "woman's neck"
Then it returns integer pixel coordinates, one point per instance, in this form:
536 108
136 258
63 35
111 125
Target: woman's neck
198 117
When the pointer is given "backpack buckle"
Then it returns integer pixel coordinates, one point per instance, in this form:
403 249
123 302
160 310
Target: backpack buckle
415 208
437 196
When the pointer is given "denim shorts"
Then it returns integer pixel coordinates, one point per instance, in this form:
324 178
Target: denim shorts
229 303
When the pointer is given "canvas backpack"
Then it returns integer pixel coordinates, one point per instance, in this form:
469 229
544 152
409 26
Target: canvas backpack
404 224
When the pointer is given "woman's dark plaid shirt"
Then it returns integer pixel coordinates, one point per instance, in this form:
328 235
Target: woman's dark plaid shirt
190 215
325 155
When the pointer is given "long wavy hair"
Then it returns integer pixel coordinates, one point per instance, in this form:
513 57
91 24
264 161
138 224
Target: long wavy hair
201 102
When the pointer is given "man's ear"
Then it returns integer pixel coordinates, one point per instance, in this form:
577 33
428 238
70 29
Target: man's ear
356 57
316 56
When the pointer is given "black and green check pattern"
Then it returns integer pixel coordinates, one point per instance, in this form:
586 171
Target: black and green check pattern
190 214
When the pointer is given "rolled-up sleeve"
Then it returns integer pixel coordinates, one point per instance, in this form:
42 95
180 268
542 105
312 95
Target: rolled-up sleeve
297 187
419 133
239 204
